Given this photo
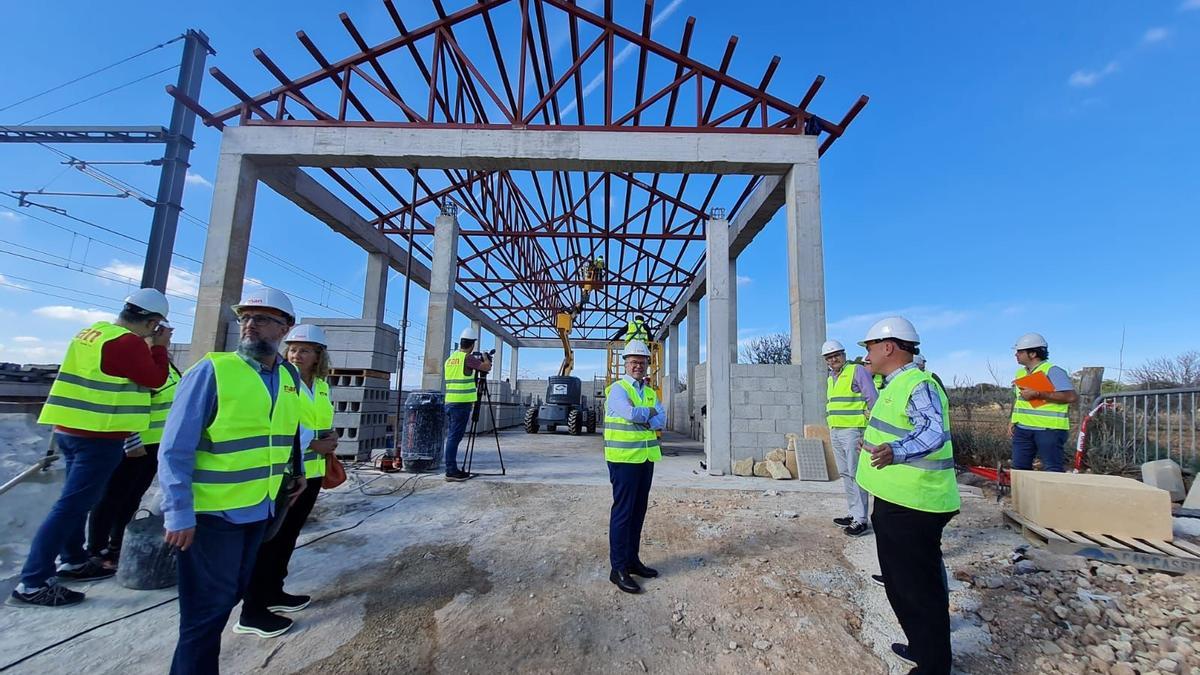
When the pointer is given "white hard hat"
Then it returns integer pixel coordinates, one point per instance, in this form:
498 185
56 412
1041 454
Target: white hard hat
149 299
1030 341
635 348
468 334
266 297
895 327
831 347
306 332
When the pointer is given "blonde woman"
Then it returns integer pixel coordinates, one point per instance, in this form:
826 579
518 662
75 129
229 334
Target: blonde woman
307 350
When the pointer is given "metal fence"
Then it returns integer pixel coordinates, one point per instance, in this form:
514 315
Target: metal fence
1143 426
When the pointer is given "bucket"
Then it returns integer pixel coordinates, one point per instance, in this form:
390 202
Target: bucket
147 562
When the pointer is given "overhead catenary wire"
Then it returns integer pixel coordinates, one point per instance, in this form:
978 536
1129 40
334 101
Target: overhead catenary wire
103 93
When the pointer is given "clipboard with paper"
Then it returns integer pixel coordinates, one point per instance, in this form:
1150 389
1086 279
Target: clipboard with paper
1036 382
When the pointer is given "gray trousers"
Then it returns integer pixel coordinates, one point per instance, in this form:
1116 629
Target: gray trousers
845 451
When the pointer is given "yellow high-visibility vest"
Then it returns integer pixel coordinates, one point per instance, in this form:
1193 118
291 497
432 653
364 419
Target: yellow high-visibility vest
460 387
1048 415
321 419
84 397
160 405
626 442
844 407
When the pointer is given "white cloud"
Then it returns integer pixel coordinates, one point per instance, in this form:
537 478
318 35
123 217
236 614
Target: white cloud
11 285
11 216
197 179
48 353
743 280
179 281
26 339
76 314
923 317
1157 34
1089 78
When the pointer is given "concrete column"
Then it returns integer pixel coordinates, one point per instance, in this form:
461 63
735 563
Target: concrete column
225 252
512 367
440 321
717 439
693 360
477 327
375 287
806 281
673 378
498 364
733 318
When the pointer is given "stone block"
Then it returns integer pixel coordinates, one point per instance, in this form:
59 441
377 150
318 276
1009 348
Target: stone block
1165 474
1193 496
737 424
790 462
775 384
744 439
789 426
762 426
1110 505
777 470
774 412
744 467
776 455
760 470
748 411
761 397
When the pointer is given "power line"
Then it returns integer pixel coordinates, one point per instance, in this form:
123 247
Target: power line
103 93
94 72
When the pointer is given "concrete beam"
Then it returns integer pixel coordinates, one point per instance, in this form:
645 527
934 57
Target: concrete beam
766 199
225 251
717 439
304 191
440 321
508 149
806 283
375 287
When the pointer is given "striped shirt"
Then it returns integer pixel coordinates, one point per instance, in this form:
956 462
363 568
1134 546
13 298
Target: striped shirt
925 412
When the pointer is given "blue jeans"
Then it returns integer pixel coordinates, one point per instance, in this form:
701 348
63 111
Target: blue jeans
90 463
457 416
631 497
1045 443
213 575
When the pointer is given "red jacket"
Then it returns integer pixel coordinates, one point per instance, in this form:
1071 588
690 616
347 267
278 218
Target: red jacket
127 356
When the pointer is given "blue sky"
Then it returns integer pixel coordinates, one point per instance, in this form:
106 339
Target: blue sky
1021 166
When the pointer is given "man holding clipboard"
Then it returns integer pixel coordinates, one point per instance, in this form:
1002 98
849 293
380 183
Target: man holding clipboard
1041 415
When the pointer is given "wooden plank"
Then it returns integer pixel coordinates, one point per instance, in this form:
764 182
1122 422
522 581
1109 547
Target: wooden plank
1073 536
1029 525
1187 546
1108 541
1139 559
1172 549
1129 541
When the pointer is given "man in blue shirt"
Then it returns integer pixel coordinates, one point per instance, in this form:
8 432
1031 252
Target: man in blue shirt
217 549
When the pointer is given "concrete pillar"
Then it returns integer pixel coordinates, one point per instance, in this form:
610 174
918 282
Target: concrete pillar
375 287
806 282
693 360
498 364
225 251
673 378
717 439
733 318
440 321
512 367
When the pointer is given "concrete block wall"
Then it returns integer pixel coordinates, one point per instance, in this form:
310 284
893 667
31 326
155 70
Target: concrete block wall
360 343
766 405
697 379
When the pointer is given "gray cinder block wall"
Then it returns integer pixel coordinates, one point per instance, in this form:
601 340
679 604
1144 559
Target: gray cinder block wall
766 405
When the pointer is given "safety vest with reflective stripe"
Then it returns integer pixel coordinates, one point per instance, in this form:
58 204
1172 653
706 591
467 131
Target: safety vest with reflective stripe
844 407
925 484
320 418
636 330
1048 415
624 441
244 453
84 397
460 387
160 405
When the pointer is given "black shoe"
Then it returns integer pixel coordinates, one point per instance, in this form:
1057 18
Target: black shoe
88 571
457 476
642 571
264 625
877 578
624 582
844 521
856 529
901 651
52 595
286 603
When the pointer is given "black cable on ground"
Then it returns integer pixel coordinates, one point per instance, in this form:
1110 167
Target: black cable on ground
414 479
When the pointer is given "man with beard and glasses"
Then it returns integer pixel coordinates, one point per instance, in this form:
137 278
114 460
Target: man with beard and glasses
223 459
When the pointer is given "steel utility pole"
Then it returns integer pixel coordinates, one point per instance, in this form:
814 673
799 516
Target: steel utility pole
168 202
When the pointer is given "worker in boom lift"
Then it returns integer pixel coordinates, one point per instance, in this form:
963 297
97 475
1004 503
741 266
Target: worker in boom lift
598 268
907 463
100 398
849 395
632 415
1040 431
123 496
265 600
461 395
637 329
229 449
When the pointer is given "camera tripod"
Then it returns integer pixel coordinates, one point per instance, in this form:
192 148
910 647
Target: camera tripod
483 398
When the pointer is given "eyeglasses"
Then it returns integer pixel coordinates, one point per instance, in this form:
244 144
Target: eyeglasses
260 319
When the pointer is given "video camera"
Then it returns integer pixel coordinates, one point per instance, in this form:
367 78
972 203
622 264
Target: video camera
486 357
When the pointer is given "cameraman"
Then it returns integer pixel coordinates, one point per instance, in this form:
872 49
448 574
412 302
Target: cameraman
461 394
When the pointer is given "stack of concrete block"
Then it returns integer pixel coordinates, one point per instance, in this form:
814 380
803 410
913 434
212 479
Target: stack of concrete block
360 413
765 401
360 344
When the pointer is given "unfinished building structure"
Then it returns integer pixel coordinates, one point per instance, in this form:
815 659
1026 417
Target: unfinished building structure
505 164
